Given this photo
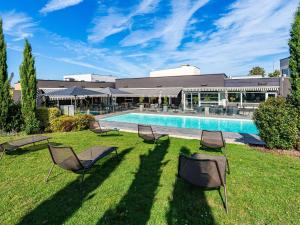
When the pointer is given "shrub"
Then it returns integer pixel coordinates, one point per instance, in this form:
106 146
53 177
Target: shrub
70 123
277 122
82 121
53 113
46 115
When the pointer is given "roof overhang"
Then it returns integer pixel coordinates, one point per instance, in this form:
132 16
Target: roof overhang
239 89
47 92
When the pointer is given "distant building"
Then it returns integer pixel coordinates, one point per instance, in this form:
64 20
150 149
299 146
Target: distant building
184 70
90 77
284 67
190 89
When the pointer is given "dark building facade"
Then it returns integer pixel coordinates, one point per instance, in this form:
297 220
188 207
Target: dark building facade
209 80
284 67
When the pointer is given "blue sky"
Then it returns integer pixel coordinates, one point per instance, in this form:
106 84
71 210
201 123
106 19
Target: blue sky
133 37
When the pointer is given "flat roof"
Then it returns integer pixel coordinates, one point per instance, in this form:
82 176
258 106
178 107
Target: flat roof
213 74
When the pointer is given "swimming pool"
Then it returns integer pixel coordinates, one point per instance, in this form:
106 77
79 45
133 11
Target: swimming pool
201 123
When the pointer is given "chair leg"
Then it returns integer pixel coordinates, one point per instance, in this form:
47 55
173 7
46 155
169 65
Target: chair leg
50 171
82 177
82 180
227 161
225 194
228 168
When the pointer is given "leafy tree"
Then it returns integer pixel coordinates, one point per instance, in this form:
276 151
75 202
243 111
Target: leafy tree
276 73
257 70
29 90
5 97
294 64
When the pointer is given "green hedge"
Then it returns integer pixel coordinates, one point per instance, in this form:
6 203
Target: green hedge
277 122
70 123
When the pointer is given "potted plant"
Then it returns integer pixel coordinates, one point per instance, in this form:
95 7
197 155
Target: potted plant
165 105
141 101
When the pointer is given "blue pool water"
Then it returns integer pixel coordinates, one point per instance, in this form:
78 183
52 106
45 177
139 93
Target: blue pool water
201 123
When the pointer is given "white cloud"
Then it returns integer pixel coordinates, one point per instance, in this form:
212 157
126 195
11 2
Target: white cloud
115 22
245 36
250 33
108 60
54 5
169 31
17 25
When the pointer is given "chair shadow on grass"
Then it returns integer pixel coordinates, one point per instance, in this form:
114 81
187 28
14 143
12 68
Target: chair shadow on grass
31 148
64 203
188 204
135 206
110 135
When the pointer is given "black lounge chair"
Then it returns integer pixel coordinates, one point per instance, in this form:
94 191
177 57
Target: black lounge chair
214 140
146 133
67 159
96 128
204 171
15 144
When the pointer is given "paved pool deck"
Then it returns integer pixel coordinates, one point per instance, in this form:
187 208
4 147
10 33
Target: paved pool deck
230 137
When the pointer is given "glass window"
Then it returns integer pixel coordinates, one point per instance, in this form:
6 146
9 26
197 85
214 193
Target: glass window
286 72
209 97
234 97
254 97
195 99
188 100
271 95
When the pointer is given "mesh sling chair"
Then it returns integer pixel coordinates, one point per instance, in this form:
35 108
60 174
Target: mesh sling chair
67 159
15 144
214 140
204 171
146 133
95 127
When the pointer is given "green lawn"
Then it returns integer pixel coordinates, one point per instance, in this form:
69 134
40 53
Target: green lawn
142 188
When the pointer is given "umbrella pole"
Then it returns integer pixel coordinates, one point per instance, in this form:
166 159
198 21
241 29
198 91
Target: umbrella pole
75 104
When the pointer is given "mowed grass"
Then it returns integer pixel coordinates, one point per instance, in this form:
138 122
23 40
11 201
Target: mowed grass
142 188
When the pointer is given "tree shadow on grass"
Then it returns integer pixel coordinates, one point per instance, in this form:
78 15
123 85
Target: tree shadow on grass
63 204
136 204
188 204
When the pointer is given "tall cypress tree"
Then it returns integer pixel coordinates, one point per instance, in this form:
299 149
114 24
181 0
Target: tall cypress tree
5 97
29 90
294 44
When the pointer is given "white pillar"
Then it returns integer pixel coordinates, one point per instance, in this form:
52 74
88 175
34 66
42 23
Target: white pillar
192 103
183 99
241 97
199 99
226 98
219 100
